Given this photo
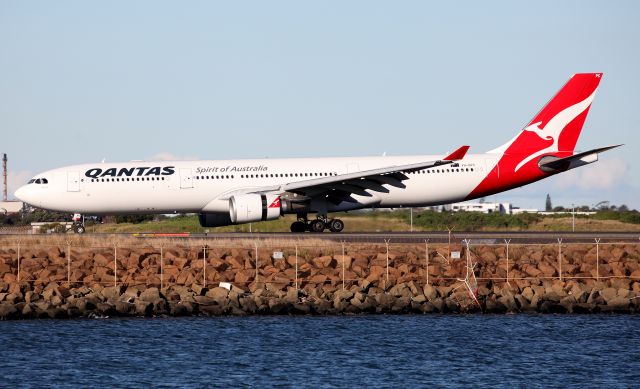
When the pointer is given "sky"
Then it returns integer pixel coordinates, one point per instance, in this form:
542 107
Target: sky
85 81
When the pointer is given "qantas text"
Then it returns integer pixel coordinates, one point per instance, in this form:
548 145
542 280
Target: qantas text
131 171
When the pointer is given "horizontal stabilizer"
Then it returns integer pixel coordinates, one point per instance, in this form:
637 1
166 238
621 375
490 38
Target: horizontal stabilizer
554 164
456 155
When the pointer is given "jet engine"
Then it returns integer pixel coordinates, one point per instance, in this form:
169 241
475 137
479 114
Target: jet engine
247 208
214 219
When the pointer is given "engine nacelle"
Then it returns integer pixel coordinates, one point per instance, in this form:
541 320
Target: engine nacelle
249 208
214 219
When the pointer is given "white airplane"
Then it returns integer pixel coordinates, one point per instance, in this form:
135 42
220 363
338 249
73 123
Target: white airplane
224 192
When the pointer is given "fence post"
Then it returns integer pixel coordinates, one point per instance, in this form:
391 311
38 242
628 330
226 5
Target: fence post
115 264
507 241
597 259
426 251
204 266
68 263
18 261
386 283
343 265
161 269
296 267
449 255
560 258
256 247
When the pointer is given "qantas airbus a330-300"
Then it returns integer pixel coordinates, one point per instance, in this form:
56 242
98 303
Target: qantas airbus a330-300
224 192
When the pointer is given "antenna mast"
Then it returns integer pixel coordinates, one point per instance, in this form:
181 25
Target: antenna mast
4 175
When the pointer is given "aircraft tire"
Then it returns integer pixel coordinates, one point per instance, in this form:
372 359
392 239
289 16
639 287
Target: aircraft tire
317 226
80 229
336 225
298 227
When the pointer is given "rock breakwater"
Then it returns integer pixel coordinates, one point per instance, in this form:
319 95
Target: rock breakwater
63 281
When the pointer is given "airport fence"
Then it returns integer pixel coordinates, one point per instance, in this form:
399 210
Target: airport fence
302 265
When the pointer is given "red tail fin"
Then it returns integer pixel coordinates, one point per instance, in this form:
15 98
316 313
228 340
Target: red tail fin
556 128
553 131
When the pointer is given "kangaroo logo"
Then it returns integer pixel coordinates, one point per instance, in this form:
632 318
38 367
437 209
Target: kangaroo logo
554 128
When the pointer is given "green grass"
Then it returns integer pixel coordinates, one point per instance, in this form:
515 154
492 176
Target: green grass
399 220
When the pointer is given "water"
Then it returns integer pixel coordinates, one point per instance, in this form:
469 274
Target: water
361 351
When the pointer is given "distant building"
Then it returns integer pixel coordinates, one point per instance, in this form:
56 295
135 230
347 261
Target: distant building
505 208
9 207
482 207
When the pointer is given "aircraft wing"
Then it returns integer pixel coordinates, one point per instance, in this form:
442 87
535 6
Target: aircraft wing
340 187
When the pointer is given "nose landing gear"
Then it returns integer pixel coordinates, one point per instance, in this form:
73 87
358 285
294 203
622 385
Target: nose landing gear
78 224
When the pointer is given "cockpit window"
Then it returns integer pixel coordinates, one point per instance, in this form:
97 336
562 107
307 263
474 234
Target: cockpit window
38 181
45 181
31 181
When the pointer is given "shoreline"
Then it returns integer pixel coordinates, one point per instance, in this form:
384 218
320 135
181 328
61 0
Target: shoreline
51 279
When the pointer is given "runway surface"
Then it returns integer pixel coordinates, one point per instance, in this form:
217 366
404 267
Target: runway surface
432 237
495 237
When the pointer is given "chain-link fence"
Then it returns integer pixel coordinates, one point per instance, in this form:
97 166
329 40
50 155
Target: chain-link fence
302 265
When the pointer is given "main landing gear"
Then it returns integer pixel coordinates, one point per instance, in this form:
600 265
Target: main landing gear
318 225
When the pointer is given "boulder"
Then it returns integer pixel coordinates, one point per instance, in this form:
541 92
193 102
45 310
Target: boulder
343 294
509 302
340 259
106 309
179 309
28 312
546 269
150 295
531 271
124 308
57 313
8 311
385 301
619 304
111 293
419 298
322 262
13 298
248 304
430 292
205 300
199 289
143 308
609 294
493 305
218 294
401 304
527 293
278 306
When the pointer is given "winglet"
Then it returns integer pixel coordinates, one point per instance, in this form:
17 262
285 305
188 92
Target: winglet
456 155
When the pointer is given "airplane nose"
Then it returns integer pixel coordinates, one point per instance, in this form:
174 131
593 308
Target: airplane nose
22 194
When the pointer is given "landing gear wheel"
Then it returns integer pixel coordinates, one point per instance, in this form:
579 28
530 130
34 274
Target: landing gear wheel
316 226
79 229
298 226
336 225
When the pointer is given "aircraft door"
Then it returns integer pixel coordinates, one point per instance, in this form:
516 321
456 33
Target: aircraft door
73 182
186 181
353 167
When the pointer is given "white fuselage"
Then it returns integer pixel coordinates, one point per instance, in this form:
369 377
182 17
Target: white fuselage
200 186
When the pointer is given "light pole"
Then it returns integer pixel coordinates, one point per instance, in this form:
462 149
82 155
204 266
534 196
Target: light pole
411 217
573 217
